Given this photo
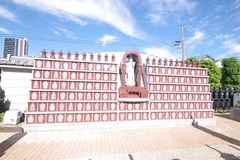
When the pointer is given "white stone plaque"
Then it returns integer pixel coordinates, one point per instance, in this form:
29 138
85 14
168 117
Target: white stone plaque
79 106
98 76
39 64
34 96
57 65
54 85
52 107
37 74
65 65
45 85
64 75
47 74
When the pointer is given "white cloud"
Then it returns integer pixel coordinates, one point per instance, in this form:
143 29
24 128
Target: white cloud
106 39
69 34
4 13
160 52
114 13
237 29
4 31
232 45
161 9
56 33
197 37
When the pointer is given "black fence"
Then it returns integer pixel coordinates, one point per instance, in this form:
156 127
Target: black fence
223 98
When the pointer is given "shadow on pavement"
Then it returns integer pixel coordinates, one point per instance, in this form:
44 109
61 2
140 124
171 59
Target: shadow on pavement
219 135
130 157
227 116
234 147
5 145
226 156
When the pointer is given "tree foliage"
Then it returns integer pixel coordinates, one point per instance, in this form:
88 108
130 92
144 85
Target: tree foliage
2 96
214 72
230 73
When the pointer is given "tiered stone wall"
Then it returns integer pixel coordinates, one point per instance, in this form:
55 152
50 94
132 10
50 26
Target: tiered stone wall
178 90
68 91
79 89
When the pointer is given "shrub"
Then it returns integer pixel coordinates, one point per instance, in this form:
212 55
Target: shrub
2 96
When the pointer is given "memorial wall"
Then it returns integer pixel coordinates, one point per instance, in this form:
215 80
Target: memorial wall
92 88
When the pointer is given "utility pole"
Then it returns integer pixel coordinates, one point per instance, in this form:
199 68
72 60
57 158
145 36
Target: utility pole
182 42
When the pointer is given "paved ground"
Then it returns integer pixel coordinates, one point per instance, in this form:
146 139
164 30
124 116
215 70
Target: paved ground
213 142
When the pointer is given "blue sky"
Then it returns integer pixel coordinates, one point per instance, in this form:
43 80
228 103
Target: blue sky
147 26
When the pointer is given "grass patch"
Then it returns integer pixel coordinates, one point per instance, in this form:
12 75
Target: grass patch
1 116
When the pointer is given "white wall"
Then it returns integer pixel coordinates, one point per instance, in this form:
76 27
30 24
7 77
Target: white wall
16 83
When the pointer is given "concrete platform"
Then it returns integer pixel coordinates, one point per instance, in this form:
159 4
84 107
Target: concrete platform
220 141
122 124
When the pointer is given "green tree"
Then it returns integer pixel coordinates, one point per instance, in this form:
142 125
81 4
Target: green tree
230 73
193 59
214 72
2 96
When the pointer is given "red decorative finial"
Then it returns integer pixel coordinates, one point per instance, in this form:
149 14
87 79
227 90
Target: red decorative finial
84 56
76 55
165 62
99 57
159 61
147 60
44 54
176 62
69 55
171 62
106 58
153 61
60 54
52 54
113 58
91 57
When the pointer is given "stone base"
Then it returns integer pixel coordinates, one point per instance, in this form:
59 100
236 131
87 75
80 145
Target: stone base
122 124
133 92
235 114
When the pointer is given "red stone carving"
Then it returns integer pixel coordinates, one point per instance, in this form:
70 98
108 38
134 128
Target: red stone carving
52 54
106 58
91 57
76 56
198 64
176 63
147 60
159 61
84 56
153 61
182 63
99 57
113 58
69 55
171 62
44 54
60 55
187 64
